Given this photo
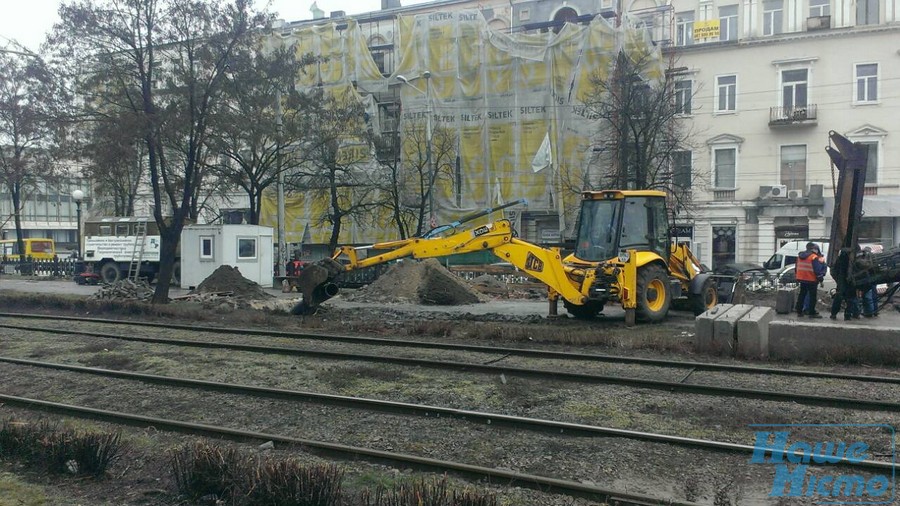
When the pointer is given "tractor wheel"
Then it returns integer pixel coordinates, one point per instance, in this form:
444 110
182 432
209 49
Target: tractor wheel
110 272
706 299
653 295
584 312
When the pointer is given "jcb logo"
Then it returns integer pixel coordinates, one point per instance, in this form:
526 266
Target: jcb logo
481 231
533 263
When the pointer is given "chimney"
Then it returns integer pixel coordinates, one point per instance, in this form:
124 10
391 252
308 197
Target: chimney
389 4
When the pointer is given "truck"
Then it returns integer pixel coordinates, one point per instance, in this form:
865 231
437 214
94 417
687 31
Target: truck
623 254
113 244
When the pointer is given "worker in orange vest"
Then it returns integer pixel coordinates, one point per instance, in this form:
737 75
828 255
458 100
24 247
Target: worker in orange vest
810 272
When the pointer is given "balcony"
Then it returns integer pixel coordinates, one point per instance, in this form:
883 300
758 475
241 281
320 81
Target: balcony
723 195
793 116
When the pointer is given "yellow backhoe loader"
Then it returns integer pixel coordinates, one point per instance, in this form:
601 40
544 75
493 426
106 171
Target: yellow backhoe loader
623 255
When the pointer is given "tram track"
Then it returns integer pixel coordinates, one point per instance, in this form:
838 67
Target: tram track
566 376
510 478
494 350
410 409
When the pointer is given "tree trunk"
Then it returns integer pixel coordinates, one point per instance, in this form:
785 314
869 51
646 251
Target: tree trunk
17 218
255 206
167 250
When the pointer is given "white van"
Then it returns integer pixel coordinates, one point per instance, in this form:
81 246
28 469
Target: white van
787 254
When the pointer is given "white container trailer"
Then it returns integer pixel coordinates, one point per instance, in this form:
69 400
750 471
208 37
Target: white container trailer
204 248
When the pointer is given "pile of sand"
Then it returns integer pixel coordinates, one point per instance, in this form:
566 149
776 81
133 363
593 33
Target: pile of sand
418 282
229 279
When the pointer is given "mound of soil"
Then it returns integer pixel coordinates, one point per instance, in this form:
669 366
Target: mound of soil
490 285
418 282
229 279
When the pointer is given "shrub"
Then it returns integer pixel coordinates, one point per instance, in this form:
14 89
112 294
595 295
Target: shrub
290 483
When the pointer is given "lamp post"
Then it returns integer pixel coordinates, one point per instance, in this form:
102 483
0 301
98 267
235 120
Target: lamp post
78 196
429 163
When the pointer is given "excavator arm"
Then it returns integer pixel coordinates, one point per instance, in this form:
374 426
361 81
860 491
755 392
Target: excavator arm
850 266
317 280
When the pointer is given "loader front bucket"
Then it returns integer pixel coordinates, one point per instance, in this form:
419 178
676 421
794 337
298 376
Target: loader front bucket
316 283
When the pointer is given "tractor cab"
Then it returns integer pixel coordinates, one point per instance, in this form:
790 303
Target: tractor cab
612 222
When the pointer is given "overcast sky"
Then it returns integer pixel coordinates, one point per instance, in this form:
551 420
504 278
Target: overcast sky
28 21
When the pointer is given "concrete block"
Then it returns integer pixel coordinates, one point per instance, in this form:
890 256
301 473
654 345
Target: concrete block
753 333
785 299
864 340
703 326
725 329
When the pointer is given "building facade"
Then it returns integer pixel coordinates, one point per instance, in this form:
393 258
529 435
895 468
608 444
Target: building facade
767 85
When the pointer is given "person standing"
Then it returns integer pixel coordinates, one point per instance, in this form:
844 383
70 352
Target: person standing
869 295
810 272
845 292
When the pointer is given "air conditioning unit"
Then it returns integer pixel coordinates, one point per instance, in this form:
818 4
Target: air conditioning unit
818 23
795 194
778 191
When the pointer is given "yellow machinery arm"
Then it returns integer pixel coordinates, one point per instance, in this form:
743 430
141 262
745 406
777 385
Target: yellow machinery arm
543 264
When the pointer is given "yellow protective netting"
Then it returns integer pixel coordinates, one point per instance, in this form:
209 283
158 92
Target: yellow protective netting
500 95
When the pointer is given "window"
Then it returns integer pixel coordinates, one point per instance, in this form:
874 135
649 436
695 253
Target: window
105 230
724 246
684 28
867 12
725 163
683 97
819 8
793 167
726 93
866 82
206 248
872 162
122 230
794 84
246 249
728 19
681 169
773 16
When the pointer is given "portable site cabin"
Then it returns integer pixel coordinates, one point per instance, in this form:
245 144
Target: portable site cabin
204 248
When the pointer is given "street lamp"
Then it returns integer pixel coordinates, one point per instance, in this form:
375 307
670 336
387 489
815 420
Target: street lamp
78 196
428 136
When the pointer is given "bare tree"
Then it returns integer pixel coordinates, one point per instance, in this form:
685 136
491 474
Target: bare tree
165 61
254 153
643 135
339 166
31 101
115 159
409 183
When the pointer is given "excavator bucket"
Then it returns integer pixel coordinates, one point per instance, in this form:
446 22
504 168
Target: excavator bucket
316 283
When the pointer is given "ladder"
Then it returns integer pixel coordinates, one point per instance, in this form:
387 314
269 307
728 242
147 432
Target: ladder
137 253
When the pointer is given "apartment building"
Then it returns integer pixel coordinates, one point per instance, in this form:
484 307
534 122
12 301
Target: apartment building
768 81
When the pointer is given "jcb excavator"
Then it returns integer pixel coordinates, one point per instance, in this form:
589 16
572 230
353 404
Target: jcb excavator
623 255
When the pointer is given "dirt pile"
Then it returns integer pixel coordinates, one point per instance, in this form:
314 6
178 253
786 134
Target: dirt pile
228 280
415 282
490 285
